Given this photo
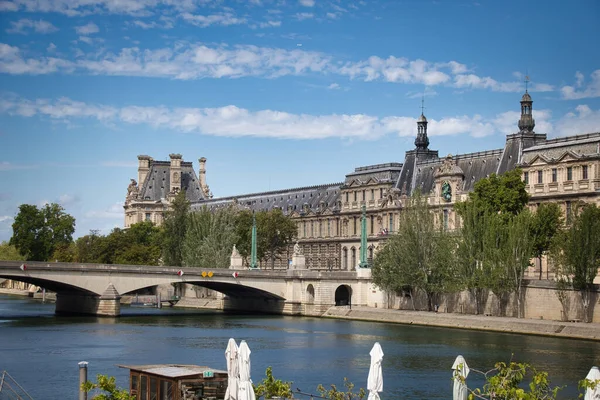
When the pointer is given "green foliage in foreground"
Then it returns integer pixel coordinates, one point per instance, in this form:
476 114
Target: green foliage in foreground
334 394
271 387
107 385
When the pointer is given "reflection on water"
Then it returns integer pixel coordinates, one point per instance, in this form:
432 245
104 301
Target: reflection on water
42 351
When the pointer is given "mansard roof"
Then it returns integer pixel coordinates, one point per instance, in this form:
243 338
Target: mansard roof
157 184
315 199
578 146
387 172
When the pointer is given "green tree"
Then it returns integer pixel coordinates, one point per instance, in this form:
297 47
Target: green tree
10 253
141 244
471 263
65 253
91 248
544 227
274 230
175 226
420 255
578 253
335 394
38 232
210 238
505 382
504 194
270 387
109 387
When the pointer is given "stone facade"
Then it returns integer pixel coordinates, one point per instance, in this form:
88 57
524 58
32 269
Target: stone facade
564 170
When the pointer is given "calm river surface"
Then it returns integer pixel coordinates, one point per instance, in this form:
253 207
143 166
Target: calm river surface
41 351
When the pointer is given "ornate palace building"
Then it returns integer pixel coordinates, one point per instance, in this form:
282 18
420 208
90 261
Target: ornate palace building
564 170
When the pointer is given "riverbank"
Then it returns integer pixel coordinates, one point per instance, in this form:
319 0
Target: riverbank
572 330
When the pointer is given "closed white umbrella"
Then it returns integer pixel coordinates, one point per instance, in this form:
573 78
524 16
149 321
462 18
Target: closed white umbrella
245 390
594 376
375 379
459 375
231 355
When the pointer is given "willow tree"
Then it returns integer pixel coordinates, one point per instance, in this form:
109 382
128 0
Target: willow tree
421 255
578 253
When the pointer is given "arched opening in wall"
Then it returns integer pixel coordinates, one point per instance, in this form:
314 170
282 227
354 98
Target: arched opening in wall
353 258
343 295
310 294
345 258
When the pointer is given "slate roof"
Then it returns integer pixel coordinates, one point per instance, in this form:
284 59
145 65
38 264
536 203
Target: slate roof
578 146
158 182
388 172
316 198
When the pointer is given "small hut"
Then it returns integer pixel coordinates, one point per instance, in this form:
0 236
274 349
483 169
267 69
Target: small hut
176 382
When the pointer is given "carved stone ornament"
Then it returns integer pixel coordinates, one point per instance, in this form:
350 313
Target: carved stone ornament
176 178
391 197
235 252
449 168
132 189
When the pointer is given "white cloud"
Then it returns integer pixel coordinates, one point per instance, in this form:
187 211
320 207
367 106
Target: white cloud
196 60
115 211
270 24
582 120
68 200
304 15
203 21
86 7
232 121
591 90
119 164
8 166
24 26
6 218
334 86
307 3
51 48
87 29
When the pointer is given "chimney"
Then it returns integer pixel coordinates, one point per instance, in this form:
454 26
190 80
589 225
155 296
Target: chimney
175 171
202 178
143 168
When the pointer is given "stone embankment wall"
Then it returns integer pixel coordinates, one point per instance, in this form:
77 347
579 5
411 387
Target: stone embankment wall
540 301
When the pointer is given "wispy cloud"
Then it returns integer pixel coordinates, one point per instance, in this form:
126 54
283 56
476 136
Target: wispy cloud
114 211
119 164
304 15
25 26
224 19
87 29
8 166
74 8
307 3
581 90
197 60
232 121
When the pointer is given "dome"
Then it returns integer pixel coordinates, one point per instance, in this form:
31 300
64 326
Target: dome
422 118
526 97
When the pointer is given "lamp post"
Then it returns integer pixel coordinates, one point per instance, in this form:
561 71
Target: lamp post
253 264
363 239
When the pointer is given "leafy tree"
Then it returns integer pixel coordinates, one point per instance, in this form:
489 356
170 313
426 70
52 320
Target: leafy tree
38 232
420 255
108 386
545 225
91 248
141 244
504 194
471 250
505 382
578 253
275 233
175 226
271 387
9 252
210 238
65 253
334 394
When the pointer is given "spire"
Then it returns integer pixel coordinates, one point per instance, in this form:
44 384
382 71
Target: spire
422 141
526 122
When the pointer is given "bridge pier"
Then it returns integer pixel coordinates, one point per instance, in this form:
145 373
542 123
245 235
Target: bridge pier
106 305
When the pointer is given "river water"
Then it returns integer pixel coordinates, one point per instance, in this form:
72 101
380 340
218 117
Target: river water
41 351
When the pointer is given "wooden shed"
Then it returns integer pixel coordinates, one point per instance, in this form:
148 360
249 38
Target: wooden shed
176 382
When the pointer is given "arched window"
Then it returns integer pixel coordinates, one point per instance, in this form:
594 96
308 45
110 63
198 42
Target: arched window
310 294
345 258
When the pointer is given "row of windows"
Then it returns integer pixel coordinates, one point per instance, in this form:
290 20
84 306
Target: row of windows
364 195
554 174
310 228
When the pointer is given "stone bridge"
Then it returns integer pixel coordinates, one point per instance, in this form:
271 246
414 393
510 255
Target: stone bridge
97 288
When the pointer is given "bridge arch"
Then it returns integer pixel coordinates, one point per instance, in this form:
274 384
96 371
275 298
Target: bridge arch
343 295
310 294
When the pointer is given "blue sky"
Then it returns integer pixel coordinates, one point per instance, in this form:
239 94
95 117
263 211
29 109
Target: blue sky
274 93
